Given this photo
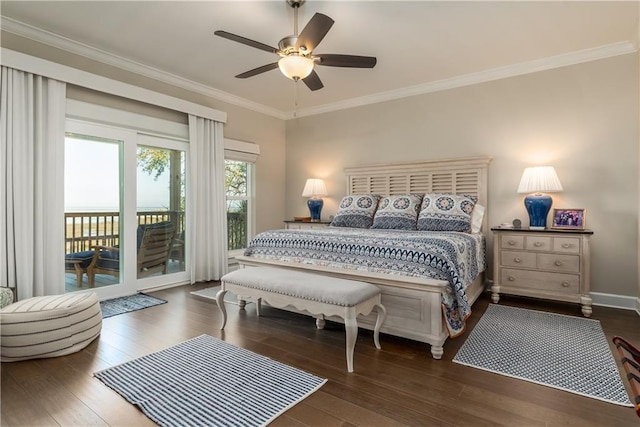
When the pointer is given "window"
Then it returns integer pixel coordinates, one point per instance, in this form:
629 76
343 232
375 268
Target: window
240 158
239 204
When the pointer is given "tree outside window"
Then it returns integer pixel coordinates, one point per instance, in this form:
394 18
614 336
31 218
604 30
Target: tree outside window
154 162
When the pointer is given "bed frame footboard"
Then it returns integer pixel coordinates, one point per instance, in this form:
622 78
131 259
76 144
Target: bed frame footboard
414 305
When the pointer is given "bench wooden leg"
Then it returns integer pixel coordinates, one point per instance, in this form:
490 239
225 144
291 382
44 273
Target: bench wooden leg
351 327
320 322
382 314
258 306
220 301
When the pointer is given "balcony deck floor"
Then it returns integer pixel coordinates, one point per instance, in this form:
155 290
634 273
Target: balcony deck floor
102 280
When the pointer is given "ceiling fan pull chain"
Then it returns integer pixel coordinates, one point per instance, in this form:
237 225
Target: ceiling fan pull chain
295 98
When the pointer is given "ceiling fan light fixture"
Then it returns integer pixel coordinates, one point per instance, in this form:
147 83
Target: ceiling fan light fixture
296 67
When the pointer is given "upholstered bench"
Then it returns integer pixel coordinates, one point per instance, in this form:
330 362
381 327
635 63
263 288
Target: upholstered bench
319 295
49 326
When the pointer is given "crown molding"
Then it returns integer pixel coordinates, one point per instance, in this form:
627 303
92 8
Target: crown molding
54 40
528 67
42 36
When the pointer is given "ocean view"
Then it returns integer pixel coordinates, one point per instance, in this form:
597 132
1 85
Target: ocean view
94 209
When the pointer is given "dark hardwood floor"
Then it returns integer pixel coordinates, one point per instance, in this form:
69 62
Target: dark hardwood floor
398 385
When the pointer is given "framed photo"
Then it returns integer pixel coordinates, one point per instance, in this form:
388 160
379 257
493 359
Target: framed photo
569 218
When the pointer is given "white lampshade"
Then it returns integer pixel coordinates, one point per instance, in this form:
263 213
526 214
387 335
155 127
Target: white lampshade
314 187
296 67
539 179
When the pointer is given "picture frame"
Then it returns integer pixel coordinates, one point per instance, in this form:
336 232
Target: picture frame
573 219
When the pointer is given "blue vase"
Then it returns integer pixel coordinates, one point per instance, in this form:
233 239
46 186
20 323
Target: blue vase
538 206
315 207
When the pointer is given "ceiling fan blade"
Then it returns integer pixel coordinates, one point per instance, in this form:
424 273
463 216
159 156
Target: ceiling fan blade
312 81
245 41
257 71
353 61
313 33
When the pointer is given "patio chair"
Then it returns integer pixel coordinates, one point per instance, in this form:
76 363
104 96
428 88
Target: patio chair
177 251
77 264
154 243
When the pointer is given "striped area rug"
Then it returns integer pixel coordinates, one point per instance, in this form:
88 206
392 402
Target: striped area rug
208 382
564 352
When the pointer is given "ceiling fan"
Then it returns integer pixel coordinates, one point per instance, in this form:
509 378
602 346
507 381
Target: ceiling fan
297 59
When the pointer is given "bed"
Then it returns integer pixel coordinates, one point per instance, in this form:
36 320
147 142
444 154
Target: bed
429 279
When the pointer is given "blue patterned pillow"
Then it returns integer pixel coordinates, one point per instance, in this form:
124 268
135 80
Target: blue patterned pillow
356 211
446 212
397 212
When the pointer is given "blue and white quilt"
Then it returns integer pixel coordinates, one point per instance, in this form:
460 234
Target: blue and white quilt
452 256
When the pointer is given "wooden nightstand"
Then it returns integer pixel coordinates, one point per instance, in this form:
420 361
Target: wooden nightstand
551 264
290 224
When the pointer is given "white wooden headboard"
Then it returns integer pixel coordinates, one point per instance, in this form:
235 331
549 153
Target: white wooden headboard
458 176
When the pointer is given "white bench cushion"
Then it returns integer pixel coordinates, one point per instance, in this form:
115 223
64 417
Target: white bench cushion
303 285
49 326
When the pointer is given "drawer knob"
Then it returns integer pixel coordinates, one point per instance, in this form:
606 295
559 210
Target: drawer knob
518 260
558 263
566 245
537 244
511 242
566 284
512 279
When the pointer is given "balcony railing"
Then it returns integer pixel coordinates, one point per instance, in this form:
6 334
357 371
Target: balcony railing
237 229
84 230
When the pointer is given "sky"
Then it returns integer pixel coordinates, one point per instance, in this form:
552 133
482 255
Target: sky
91 179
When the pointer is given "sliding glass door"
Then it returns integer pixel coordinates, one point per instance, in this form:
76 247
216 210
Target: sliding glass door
92 206
125 199
161 204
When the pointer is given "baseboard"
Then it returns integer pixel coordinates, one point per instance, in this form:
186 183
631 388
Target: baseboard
616 301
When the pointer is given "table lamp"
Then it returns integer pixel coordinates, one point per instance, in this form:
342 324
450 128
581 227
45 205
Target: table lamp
315 189
537 180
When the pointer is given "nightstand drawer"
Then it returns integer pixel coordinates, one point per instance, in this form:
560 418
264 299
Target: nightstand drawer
538 280
518 259
538 243
512 242
555 262
566 244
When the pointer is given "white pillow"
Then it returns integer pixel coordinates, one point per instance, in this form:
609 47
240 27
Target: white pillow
476 218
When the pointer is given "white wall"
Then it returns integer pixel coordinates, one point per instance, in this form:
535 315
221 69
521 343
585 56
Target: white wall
582 119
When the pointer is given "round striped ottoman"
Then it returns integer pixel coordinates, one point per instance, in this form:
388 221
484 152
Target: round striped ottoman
49 326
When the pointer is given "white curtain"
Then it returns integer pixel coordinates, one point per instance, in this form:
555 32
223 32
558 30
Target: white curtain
207 198
32 117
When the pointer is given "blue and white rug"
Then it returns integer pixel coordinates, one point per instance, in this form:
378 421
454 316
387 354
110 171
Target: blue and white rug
120 305
565 352
208 382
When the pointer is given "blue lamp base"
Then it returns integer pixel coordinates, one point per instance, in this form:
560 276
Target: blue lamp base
315 207
538 205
